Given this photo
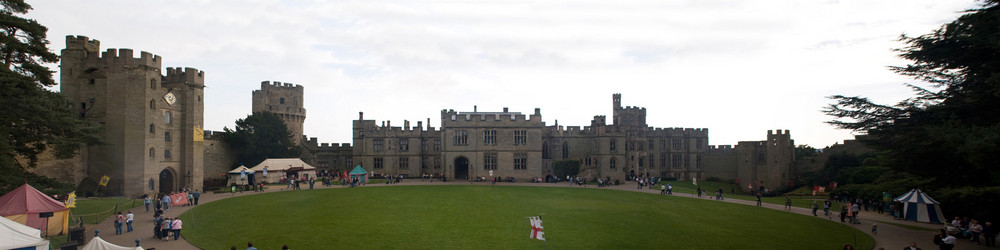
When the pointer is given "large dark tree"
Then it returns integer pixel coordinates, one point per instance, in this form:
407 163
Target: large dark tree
949 131
34 119
260 136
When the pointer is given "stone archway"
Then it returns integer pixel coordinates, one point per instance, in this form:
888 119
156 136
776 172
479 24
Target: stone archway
461 168
167 180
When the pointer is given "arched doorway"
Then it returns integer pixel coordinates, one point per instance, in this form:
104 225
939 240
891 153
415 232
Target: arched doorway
166 181
461 168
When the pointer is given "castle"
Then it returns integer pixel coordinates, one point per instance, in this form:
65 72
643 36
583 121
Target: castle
152 123
155 142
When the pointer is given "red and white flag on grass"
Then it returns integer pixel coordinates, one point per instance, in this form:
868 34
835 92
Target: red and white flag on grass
536 228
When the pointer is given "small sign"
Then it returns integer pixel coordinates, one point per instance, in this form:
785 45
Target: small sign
170 98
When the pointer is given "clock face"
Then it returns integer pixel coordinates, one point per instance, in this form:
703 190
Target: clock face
170 98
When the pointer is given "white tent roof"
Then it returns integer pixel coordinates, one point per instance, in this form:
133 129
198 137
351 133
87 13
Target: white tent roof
15 235
241 168
100 244
282 164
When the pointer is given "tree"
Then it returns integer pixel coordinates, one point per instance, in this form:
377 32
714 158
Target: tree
260 136
950 130
34 119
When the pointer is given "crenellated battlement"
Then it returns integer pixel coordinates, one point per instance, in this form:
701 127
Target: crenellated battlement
667 132
277 84
214 135
456 118
721 149
84 43
185 75
313 142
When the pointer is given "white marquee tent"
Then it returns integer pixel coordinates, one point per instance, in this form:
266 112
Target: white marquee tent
236 175
100 244
283 167
917 206
15 235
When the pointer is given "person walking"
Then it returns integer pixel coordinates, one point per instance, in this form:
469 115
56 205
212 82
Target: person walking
175 226
663 189
815 206
788 202
826 207
165 228
976 230
990 234
128 220
165 202
196 196
146 200
119 219
758 199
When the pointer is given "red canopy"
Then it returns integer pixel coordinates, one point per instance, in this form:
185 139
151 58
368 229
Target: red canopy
28 200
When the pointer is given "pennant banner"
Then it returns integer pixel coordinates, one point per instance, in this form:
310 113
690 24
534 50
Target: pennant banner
104 180
71 199
536 228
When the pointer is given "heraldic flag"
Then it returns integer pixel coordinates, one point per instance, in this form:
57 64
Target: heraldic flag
536 228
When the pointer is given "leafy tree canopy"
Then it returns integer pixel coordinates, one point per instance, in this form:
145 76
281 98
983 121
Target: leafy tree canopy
950 129
34 119
260 136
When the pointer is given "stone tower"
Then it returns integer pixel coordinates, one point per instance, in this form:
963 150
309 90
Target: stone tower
152 123
767 163
284 100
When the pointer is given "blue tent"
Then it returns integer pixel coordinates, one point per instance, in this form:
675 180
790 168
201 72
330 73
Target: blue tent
360 173
917 206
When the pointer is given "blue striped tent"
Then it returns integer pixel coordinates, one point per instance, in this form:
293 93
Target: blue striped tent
917 206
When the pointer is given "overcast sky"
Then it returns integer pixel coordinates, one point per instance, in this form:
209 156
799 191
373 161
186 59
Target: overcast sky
738 68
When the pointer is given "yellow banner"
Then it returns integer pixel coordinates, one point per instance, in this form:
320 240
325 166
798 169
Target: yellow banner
71 199
105 180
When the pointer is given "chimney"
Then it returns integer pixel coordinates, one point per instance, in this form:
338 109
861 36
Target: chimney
474 108
361 116
505 109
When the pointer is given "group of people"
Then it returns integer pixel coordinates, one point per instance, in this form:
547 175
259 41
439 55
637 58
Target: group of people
973 230
123 219
165 226
251 247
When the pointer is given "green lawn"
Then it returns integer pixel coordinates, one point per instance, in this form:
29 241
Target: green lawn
476 217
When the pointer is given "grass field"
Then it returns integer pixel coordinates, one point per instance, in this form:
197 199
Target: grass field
473 217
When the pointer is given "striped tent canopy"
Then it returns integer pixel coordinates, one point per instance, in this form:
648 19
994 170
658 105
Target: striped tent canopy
917 206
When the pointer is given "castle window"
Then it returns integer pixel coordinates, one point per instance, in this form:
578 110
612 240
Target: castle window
152 129
404 163
520 161
675 161
378 144
91 81
166 154
166 136
652 142
613 145
520 137
490 137
152 153
152 84
675 144
641 161
423 144
378 163
281 100
663 160
437 144
565 150
166 117
587 161
490 161
152 104
404 144
699 144
545 150
423 162
437 162
349 161
461 137
613 163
